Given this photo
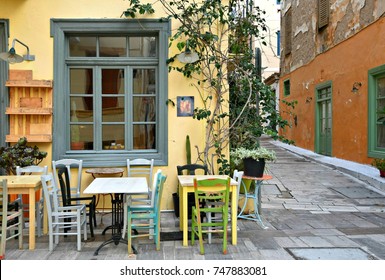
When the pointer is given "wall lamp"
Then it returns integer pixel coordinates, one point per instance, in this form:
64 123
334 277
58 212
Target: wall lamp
188 56
12 57
356 87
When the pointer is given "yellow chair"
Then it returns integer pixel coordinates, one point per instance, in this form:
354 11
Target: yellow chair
11 221
215 193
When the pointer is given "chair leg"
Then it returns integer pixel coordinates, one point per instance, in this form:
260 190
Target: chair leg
129 237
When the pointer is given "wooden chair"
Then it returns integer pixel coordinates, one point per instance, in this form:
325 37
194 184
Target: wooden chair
62 217
11 221
237 176
137 215
139 167
72 165
39 205
216 194
190 169
68 200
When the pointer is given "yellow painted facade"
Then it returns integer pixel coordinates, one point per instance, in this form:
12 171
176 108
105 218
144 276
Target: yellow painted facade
29 22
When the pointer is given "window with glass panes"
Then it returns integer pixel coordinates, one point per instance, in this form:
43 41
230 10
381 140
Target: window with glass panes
376 110
112 91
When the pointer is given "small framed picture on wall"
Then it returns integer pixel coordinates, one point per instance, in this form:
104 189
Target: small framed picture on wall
185 106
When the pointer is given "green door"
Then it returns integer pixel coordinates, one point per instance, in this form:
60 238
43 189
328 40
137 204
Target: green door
324 120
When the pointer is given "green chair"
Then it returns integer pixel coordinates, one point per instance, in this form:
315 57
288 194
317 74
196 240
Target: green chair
144 220
215 192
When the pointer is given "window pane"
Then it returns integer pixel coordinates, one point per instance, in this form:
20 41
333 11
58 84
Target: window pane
112 46
113 81
144 136
81 81
81 137
82 46
144 109
81 109
381 136
142 46
113 109
113 137
144 81
381 87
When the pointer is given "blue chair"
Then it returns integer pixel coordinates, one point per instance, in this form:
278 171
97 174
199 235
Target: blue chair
146 217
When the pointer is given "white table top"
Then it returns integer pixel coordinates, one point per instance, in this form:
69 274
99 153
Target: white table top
127 185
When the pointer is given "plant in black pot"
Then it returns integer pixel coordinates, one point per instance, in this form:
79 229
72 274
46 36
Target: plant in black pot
254 160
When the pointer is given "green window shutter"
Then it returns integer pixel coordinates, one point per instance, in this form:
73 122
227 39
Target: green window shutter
323 13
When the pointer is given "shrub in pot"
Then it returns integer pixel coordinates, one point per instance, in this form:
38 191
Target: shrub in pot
379 163
253 160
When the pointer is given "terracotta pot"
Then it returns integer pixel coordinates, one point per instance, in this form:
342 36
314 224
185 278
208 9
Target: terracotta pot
77 145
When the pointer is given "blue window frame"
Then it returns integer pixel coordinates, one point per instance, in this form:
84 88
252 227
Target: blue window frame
111 81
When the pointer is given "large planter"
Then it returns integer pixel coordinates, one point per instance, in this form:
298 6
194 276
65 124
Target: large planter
254 168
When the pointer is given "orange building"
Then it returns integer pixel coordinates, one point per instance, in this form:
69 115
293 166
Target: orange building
333 65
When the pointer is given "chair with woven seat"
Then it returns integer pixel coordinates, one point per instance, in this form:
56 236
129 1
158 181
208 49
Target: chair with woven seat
237 176
39 205
146 217
62 217
139 167
11 221
68 200
216 194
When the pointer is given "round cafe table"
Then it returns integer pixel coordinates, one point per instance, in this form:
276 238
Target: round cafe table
256 197
104 172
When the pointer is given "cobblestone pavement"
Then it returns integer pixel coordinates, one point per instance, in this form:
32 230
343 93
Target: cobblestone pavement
311 210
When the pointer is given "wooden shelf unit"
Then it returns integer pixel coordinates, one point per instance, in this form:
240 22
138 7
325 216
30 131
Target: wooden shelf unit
30 110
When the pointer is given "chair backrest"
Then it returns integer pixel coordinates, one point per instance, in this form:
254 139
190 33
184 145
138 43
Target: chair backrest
3 201
32 169
51 194
237 176
141 167
158 189
4 209
220 194
64 183
191 169
70 163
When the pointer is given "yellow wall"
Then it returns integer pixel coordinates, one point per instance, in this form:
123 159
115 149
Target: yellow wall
29 22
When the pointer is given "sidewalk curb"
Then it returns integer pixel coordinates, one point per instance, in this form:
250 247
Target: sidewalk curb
363 172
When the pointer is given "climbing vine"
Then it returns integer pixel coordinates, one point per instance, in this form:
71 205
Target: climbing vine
237 107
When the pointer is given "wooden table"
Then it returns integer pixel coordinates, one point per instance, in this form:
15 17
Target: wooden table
256 197
119 187
186 185
26 185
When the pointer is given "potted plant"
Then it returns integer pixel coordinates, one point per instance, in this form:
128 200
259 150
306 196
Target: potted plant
21 155
379 163
253 160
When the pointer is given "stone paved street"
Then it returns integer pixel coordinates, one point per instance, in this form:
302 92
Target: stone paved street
311 208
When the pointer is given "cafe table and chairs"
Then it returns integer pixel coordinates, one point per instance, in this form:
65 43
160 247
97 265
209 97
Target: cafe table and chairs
186 186
117 188
26 185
